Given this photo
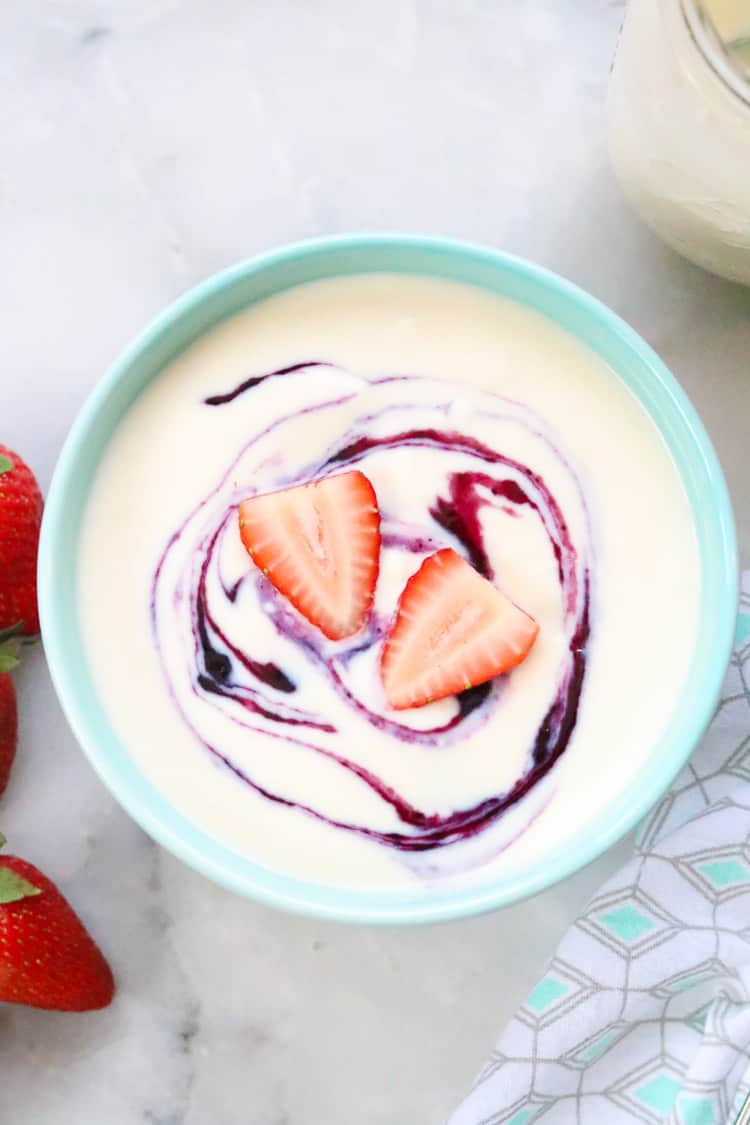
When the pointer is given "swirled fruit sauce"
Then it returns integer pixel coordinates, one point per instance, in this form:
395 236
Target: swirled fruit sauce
483 427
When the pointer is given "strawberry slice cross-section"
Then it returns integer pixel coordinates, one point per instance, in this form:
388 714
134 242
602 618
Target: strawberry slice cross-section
319 545
453 630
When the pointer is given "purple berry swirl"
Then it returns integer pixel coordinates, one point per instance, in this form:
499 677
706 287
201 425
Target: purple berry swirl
302 721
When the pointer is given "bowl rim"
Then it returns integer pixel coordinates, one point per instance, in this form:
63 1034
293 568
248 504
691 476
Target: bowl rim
176 832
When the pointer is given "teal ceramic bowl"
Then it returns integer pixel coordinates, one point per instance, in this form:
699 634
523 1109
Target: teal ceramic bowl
631 360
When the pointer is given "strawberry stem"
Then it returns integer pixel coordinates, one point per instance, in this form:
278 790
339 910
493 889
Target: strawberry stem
5 464
14 887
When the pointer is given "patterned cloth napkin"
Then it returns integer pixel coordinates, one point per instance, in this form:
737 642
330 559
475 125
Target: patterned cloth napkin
644 1011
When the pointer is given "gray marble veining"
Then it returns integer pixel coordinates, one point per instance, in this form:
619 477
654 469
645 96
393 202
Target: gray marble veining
143 147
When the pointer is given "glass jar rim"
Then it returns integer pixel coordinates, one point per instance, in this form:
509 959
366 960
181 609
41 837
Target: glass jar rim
713 49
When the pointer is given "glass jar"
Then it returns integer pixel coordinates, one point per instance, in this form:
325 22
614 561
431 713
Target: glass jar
679 126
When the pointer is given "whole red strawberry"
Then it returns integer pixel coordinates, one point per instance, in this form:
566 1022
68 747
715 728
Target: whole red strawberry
20 520
8 710
47 959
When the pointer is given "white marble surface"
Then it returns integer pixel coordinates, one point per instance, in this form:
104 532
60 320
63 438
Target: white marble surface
142 147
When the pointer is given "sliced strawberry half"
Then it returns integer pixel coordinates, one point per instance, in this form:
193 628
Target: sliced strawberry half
319 544
453 630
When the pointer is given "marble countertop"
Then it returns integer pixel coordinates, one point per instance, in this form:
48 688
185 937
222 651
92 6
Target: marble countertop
144 146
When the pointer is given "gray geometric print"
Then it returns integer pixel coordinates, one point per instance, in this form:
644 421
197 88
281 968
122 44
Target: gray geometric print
643 1014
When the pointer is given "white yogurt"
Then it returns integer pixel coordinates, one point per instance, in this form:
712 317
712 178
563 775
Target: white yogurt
314 796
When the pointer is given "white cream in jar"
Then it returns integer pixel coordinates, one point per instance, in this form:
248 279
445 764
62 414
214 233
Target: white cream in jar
679 126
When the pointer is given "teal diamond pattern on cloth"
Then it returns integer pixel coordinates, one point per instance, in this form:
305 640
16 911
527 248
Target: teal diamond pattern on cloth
743 628
686 982
594 1050
546 993
523 1117
659 1093
725 872
697 1111
627 923
643 1014
697 1019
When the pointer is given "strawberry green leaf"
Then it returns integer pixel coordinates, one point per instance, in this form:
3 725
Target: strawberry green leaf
9 646
5 464
9 654
13 887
